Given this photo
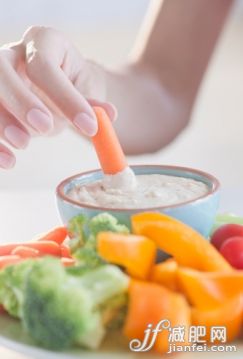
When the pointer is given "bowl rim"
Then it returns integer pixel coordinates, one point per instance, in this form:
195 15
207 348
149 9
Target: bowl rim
214 181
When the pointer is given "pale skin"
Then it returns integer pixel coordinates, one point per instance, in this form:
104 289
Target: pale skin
45 81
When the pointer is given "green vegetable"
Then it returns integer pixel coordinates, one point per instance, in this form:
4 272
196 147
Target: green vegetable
12 281
76 230
88 259
60 309
105 222
83 233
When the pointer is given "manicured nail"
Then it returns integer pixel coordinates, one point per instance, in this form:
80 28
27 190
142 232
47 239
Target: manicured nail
39 120
16 136
6 161
85 123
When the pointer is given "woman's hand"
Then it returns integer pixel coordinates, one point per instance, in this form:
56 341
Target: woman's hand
43 79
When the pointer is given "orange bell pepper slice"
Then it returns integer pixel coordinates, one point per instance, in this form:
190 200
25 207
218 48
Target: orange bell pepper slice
150 303
228 314
187 246
208 290
165 273
136 253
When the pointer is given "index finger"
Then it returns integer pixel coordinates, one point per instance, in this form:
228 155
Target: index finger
53 81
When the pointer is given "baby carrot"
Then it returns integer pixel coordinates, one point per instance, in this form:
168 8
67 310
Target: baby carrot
9 260
45 247
67 262
107 146
65 251
57 235
26 252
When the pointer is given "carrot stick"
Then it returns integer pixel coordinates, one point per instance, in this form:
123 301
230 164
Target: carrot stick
26 252
67 262
57 235
9 260
107 146
65 251
45 247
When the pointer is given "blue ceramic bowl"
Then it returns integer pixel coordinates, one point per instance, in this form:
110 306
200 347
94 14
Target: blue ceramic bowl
198 213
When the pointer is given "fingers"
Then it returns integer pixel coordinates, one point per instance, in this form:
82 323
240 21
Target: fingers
12 131
21 102
7 158
109 108
62 92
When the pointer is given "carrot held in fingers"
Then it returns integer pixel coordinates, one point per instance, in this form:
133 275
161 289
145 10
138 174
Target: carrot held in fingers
57 235
26 252
107 146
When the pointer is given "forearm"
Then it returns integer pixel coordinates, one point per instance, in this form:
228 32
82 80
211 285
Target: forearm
150 117
155 94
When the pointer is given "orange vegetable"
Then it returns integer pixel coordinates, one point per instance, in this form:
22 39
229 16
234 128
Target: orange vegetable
151 303
107 146
187 246
67 262
57 235
45 247
26 252
9 260
65 251
208 290
135 253
228 314
165 273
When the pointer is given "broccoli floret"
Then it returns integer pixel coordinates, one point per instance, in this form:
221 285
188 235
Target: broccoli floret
12 280
77 231
83 232
89 257
104 222
60 309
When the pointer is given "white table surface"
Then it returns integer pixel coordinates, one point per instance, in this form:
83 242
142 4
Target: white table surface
25 214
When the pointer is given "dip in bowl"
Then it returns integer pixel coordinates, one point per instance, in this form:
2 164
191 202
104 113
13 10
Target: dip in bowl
187 194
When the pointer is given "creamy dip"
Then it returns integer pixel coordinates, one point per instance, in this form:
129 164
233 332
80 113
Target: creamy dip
149 191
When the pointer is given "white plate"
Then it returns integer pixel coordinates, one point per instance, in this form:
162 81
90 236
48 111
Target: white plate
13 337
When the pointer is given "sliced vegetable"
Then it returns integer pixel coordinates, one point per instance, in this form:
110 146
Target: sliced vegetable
165 273
57 235
187 246
25 252
135 253
150 303
209 290
228 314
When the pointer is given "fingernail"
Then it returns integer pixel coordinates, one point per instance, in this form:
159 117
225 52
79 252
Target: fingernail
40 120
16 136
86 124
6 161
